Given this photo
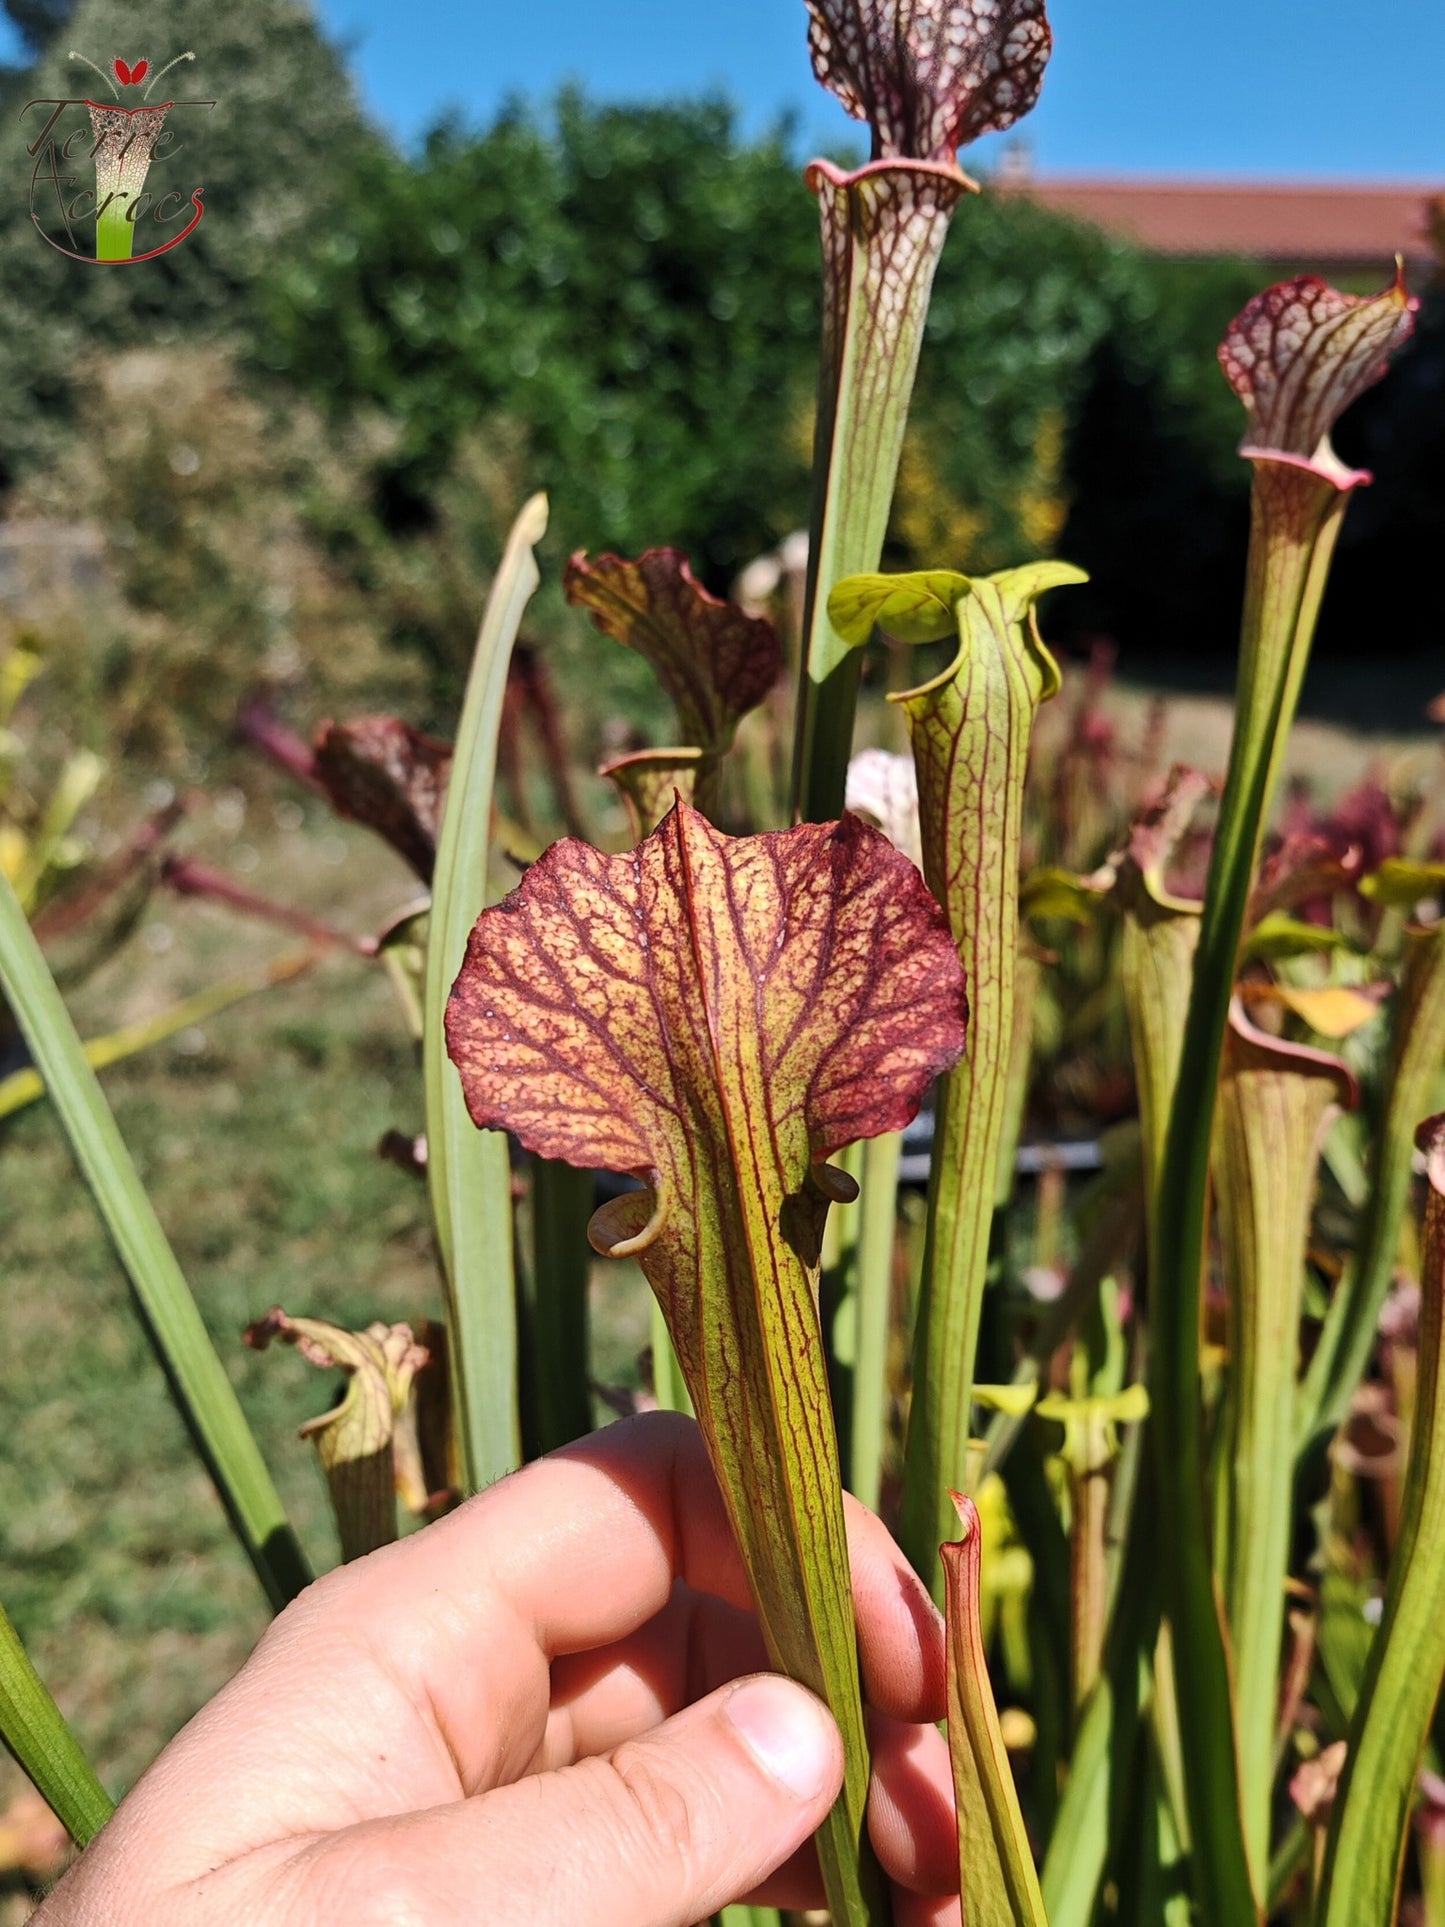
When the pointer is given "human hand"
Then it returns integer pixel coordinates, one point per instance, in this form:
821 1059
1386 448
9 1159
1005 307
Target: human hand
536 1713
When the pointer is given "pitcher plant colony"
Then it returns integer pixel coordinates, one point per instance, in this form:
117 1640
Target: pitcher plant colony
1193 1658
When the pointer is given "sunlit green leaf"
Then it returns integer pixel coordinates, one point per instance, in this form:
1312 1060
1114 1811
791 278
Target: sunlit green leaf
1280 935
1400 883
33 1728
470 1174
910 608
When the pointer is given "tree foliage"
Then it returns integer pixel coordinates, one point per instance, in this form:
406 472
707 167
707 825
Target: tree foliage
633 290
273 157
621 304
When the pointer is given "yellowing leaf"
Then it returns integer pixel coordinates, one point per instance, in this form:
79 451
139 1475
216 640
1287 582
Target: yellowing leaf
1400 884
1014 1401
49 847
14 845
19 666
717 1015
910 608
651 780
1117 1408
1334 1010
354 1438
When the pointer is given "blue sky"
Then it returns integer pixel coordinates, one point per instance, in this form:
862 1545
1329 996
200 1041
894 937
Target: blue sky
1310 89
1301 89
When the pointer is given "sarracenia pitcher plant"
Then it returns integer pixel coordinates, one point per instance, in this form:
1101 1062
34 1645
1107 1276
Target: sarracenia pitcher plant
928 76
1164 1598
970 728
715 1016
1296 356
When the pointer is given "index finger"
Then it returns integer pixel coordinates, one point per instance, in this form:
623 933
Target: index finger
573 1552
579 1550
576 1552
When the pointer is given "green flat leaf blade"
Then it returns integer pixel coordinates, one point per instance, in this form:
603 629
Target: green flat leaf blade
469 1173
197 1378
34 1729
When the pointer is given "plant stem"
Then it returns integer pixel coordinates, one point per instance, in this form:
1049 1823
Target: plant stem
877 1245
1366 1846
1295 521
883 230
561 1268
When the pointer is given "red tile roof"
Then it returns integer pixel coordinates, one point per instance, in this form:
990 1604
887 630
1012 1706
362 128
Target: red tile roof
1315 225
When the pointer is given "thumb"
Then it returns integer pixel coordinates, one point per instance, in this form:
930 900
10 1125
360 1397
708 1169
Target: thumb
662 1832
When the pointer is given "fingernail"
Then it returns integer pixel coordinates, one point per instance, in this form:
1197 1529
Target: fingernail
787 1732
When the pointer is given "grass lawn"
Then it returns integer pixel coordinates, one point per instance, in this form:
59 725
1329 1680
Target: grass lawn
256 1137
